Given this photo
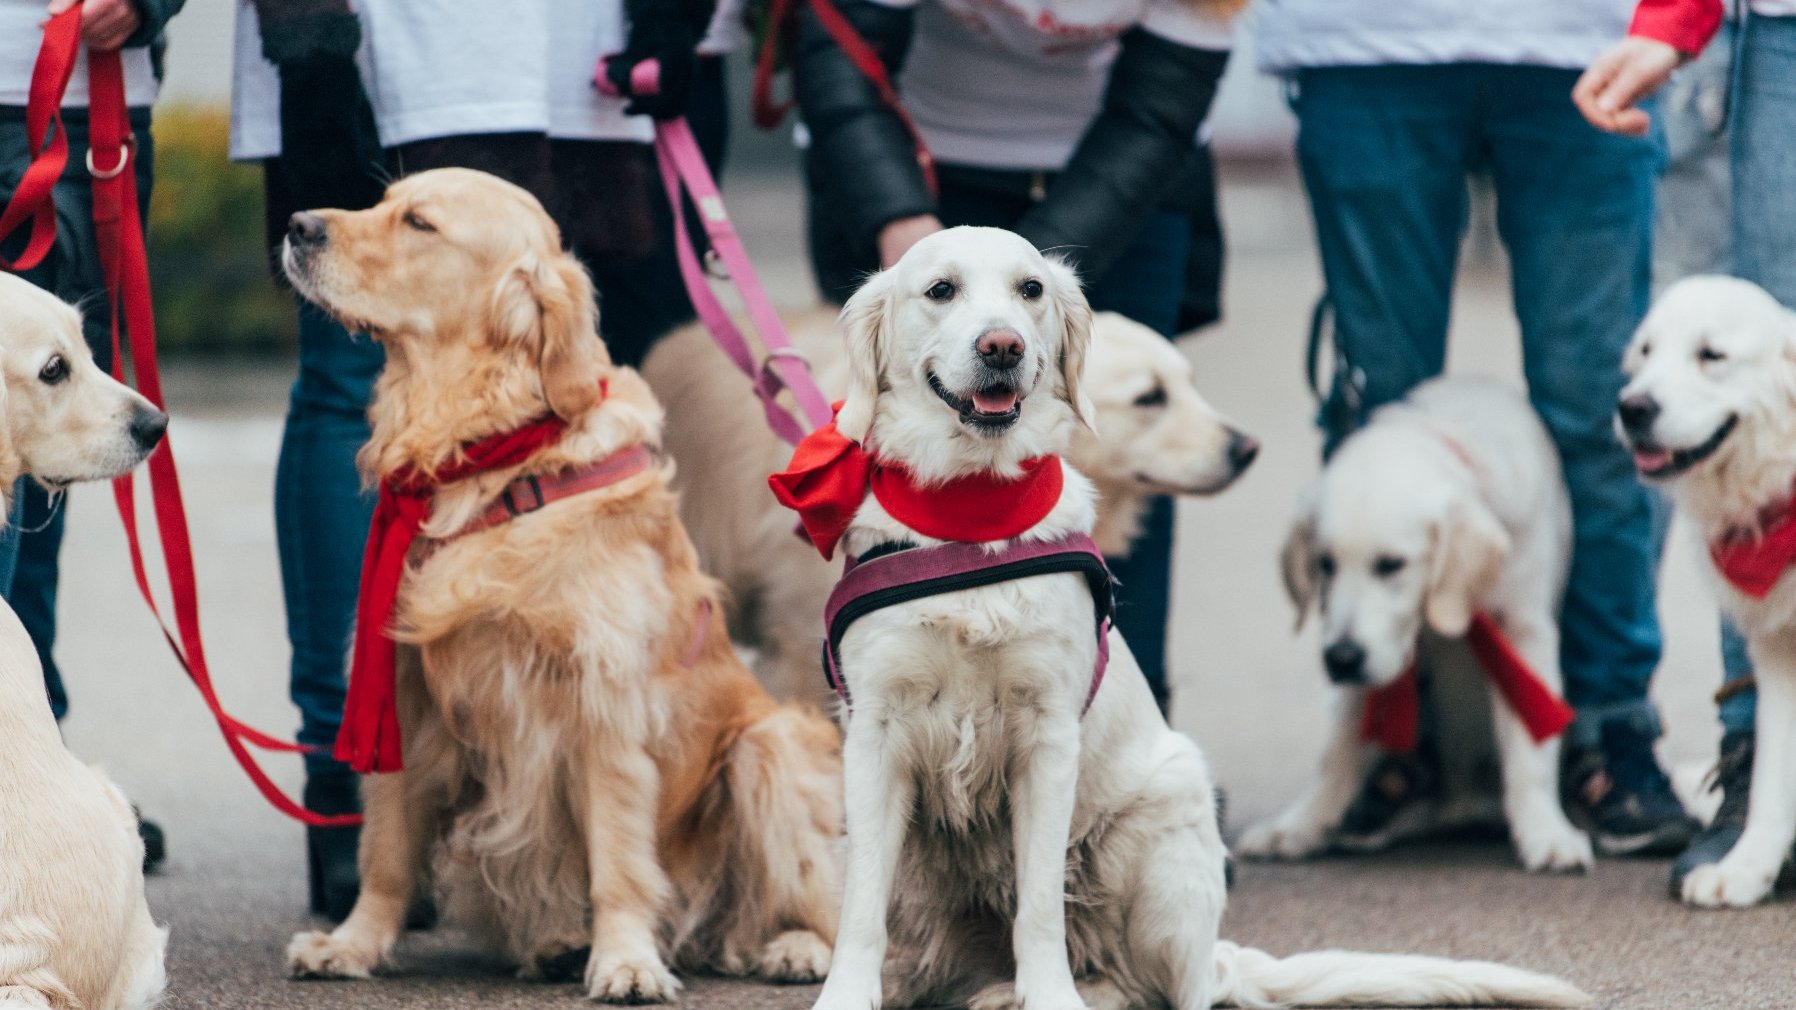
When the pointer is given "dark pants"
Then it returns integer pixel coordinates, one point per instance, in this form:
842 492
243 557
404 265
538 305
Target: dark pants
1146 283
33 538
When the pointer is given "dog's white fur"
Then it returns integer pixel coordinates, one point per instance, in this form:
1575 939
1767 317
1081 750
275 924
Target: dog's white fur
1024 856
1155 435
75 931
1716 348
1456 491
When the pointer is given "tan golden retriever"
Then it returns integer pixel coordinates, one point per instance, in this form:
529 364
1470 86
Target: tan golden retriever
1156 434
75 931
585 757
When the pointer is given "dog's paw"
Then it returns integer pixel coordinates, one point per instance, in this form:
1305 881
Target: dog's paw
1563 849
1728 884
627 980
325 955
797 957
1277 839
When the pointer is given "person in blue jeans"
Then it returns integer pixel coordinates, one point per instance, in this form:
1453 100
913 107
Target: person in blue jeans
1398 103
1760 101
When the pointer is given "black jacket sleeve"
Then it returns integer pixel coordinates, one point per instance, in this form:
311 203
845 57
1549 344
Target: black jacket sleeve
1135 149
862 159
155 15
330 147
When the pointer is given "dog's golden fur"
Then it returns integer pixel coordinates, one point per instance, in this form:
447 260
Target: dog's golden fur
597 765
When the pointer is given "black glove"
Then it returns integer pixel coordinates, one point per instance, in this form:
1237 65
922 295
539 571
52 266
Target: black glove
668 32
330 149
1136 149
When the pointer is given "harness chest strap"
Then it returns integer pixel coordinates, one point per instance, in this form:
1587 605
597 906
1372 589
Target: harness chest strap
912 573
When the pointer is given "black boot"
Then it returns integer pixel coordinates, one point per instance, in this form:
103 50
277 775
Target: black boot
330 852
155 843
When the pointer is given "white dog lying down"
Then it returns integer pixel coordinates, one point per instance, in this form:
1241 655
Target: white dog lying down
1710 412
1446 506
1001 835
1159 436
74 929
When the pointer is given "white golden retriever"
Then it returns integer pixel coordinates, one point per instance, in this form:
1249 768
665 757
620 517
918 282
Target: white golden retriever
1159 436
1002 848
74 928
1710 413
1446 505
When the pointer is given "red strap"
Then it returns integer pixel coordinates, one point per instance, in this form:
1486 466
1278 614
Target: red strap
118 230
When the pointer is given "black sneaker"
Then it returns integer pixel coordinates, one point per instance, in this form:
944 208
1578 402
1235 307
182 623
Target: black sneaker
1733 776
1620 795
155 843
1396 802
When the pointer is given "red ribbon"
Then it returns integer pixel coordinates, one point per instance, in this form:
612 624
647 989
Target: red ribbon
1753 563
829 477
1393 713
369 739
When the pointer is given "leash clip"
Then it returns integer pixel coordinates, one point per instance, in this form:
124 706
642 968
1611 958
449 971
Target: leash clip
124 158
510 502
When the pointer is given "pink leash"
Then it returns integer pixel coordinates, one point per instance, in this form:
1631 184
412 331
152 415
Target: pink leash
683 173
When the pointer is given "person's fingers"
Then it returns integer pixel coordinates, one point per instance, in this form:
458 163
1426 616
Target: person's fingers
106 24
58 6
1590 87
1633 122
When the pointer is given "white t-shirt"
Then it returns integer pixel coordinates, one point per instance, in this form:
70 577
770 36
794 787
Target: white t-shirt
1014 83
22 33
436 68
1293 34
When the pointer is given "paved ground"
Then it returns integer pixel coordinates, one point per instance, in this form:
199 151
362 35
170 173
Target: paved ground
1249 690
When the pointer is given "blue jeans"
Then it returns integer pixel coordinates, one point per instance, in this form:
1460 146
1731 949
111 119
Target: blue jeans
1764 220
1385 154
321 515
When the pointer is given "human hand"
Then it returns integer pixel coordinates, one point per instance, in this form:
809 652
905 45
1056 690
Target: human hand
1608 94
896 238
105 24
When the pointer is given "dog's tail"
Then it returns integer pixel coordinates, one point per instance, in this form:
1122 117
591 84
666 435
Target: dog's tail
1247 977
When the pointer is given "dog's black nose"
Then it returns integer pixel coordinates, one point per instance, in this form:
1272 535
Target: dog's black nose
1346 662
148 426
1000 348
1637 413
305 228
1242 450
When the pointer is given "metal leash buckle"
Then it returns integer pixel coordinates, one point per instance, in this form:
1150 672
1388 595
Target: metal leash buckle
124 158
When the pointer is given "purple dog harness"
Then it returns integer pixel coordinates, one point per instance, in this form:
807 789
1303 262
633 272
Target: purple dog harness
894 573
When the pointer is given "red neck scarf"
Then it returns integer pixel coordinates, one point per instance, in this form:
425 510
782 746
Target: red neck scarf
369 739
829 477
1393 712
1754 563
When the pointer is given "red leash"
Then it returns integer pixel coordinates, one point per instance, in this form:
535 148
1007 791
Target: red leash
118 229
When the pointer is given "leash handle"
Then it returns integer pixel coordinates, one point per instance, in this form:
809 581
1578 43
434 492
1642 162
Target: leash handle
118 230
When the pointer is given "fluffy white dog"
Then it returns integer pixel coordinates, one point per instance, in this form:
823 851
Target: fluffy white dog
1159 436
1445 506
75 931
1710 412
1003 847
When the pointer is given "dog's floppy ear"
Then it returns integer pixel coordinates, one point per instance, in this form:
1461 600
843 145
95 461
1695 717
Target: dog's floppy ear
864 321
547 307
1075 338
1469 549
1298 557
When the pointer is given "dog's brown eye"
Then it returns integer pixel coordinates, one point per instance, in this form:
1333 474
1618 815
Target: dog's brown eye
1030 289
1326 565
417 223
1388 565
54 371
940 291
1155 397
1709 355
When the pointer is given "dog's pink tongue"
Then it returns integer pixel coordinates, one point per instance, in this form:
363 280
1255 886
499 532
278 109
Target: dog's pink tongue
995 402
1649 461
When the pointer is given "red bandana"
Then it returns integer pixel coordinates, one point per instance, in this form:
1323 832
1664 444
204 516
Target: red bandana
369 739
829 477
1393 712
1753 564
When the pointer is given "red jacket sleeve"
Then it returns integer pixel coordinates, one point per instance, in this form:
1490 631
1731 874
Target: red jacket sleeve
1685 25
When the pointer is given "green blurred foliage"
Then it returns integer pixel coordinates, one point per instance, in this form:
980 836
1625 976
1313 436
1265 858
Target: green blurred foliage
208 256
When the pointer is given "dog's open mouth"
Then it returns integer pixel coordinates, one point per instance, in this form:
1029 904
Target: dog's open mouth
991 410
1655 461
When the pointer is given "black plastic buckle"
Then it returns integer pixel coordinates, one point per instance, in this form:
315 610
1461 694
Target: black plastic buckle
511 503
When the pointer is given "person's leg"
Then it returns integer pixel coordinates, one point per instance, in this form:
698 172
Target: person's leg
1575 210
1146 283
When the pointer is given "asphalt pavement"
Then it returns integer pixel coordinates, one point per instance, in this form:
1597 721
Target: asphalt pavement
1249 690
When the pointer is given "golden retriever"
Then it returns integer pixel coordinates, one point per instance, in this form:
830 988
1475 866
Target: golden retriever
75 931
585 756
